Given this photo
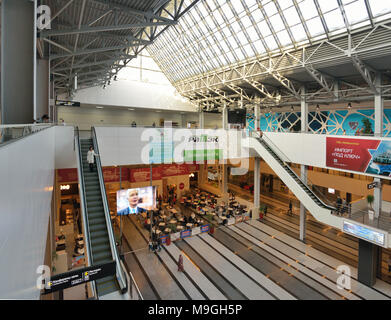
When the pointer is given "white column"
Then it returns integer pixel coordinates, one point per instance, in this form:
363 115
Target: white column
378 108
257 186
224 189
256 117
304 111
304 172
377 193
201 120
303 169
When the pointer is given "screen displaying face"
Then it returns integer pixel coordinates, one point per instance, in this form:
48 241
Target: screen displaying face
136 200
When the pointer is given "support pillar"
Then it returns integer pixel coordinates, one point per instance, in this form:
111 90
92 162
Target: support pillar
201 120
257 187
377 193
257 119
224 180
368 254
42 88
303 169
303 215
378 108
18 66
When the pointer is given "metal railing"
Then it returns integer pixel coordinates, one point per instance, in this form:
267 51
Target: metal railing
308 183
120 274
83 203
12 132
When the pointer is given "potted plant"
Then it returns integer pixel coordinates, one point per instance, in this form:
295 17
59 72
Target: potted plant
371 212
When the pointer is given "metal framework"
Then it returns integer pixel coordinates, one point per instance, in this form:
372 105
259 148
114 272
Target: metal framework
266 51
94 39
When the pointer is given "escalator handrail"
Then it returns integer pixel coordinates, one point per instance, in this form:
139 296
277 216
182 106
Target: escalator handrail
263 138
83 203
120 273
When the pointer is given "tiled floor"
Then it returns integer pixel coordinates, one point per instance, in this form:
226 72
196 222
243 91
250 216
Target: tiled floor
247 261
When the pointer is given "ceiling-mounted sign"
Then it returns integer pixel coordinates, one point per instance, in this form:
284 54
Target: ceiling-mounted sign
373 185
67 103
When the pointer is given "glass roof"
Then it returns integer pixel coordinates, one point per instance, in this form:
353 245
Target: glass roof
218 33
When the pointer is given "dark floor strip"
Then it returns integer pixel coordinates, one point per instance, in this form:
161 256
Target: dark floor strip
271 257
243 271
316 245
162 262
149 292
291 284
219 281
297 250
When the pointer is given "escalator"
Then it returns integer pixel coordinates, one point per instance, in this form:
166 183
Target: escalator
97 224
278 162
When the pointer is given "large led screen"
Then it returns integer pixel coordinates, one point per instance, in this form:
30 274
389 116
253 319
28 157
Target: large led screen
364 233
136 200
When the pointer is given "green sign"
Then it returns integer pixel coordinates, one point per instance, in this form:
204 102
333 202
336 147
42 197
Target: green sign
202 155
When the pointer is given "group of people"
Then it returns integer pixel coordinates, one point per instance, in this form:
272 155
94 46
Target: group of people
155 243
342 206
172 197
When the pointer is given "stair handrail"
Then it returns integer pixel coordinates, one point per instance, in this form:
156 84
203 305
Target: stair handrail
83 202
120 274
321 197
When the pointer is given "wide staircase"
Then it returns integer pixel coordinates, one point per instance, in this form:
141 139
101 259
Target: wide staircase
98 233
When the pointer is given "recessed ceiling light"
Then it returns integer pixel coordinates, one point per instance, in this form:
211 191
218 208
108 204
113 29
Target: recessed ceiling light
131 109
99 107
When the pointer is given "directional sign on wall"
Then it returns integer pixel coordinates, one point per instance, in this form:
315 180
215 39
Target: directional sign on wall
79 276
67 103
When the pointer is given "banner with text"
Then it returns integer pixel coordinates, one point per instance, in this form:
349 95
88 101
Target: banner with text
361 155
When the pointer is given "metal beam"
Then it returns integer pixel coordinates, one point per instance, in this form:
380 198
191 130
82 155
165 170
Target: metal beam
366 72
87 29
85 65
89 51
326 81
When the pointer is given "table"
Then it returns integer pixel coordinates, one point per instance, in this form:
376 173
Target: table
173 211
157 231
167 230
161 224
172 221
189 225
180 227
181 219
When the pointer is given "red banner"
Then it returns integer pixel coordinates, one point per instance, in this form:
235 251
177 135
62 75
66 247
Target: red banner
170 170
112 174
349 154
143 174
67 175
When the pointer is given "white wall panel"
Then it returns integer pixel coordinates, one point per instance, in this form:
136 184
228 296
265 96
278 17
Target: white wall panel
127 146
64 147
26 184
127 94
300 148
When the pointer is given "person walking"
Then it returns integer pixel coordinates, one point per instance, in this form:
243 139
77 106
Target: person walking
339 204
159 244
265 210
389 263
91 158
180 264
290 208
